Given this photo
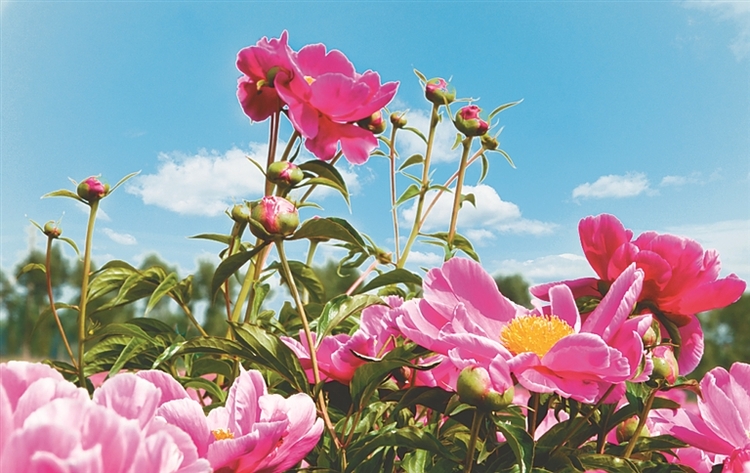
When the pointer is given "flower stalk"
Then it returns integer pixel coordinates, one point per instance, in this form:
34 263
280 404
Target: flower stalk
457 198
48 277
476 423
93 207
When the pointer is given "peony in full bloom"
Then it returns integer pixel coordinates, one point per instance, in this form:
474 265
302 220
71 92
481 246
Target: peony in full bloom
722 424
548 349
680 278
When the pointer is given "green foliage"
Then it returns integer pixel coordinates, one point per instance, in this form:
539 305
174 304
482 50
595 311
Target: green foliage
515 288
727 336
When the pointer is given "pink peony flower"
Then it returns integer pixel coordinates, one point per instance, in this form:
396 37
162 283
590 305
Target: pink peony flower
464 317
680 278
723 422
332 97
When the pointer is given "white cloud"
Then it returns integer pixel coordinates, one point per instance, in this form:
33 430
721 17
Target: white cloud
407 143
121 238
100 213
429 259
201 184
629 185
737 12
547 268
491 215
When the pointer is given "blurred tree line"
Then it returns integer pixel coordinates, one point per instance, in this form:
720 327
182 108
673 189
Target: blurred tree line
28 330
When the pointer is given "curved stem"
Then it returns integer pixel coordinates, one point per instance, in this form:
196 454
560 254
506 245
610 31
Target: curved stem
48 274
476 423
308 262
289 146
583 419
94 206
361 278
434 120
190 316
394 210
533 414
641 422
447 183
459 187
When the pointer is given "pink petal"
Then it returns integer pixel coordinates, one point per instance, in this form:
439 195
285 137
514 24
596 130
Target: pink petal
601 236
740 390
314 61
588 355
242 401
17 376
580 287
617 305
41 392
129 396
169 387
713 295
563 305
691 348
692 430
336 95
188 416
718 411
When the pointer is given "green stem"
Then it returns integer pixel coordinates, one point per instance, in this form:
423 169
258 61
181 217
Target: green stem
583 419
361 278
260 261
434 120
289 146
533 414
272 140
641 422
48 274
310 255
312 187
394 210
476 423
94 206
190 315
459 187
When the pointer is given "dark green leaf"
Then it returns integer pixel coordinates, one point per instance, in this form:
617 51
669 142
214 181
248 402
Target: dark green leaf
501 108
208 386
132 349
226 239
231 265
305 277
329 228
167 354
410 192
162 290
395 276
412 160
328 175
520 442
468 198
339 309
125 329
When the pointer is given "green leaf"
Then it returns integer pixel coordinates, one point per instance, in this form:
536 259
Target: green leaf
339 309
32 267
507 157
64 193
608 463
211 388
126 329
420 75
459 241
384 140
329 228
231 265
272 353
162 290
416 132
213 345
412 160
485 168
520 442
206 365
396 276
501 108
410 192
327 175
468 198
134 347
122 181
322 181
71 243
459 140
304 277
226 239
168 353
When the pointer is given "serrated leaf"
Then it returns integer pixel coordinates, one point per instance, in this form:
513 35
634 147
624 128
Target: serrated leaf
329 228
501 108
410 192
231 265
416 132
339 309
64 193
226 239
396 276
162 290
412 160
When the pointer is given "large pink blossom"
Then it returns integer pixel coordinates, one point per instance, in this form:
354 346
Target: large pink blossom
254 432
464 317
723 422
333 96
680 278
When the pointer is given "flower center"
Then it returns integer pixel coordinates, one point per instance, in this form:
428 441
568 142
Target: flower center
222 434
536 334
309 79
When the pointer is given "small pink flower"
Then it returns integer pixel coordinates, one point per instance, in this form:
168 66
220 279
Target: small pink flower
680 278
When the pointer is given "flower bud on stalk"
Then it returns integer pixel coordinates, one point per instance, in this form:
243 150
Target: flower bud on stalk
626 430
52 230
277 216
475 388
374 123
436 91
398 119
284 173
240 213
665 364
469 123
489 142
92 189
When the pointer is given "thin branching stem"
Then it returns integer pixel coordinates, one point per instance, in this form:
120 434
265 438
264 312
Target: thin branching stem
48 276
459 187
394 210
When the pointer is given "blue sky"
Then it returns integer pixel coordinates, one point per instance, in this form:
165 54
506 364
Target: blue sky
640 109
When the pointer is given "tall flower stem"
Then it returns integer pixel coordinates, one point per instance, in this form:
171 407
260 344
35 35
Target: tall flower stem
48 275
93 207
641 422
308 335
394 210
362 277
434 120
310 255
190 316
476 423
459 186
272 141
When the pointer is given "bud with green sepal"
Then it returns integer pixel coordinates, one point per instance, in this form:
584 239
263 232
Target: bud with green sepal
469 122
374 123
665 365
284 174
626 429
476 388
437 91
51 229
273 217
398 119
92 189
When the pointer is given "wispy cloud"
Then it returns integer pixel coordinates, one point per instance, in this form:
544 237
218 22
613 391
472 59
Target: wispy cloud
736 12
613 186
678 181
547 268
491 216
100 213
120 238
206 183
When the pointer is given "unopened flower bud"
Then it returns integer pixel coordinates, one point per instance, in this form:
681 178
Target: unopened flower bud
92 189
374 123
240 213
398 119
489 142
650 338
52 230
284 173
475 388
469 123
276 215
626 429
665 364
436 91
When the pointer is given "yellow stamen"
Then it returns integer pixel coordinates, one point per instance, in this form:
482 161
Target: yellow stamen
536 334
309 79
222 434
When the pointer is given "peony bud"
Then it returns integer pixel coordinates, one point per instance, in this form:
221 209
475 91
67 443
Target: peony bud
665 364
240 213
626 429
490 142
650 338
436 90
398 119
475 387
92 189
276 215
284 173
375 123
52 230
469 123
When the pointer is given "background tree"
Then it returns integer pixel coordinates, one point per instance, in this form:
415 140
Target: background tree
515 288
727 336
